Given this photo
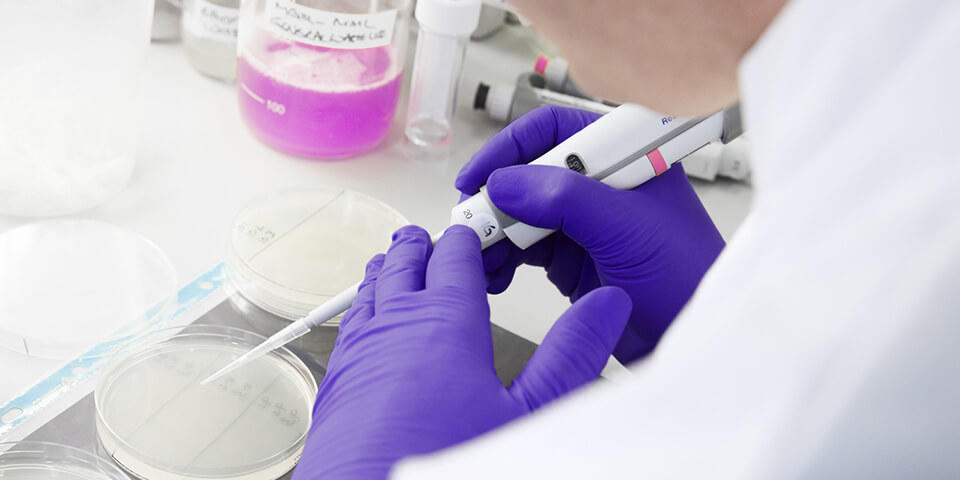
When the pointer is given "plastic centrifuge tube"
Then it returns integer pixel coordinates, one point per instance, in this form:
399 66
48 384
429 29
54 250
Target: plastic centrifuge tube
445 28
507 102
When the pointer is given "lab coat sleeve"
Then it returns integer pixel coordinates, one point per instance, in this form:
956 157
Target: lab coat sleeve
821 344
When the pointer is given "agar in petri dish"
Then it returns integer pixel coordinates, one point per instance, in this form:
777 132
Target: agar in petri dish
294 250
158 422
69 285
52 461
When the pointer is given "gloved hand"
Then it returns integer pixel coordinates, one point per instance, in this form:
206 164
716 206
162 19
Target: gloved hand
412 370
655 241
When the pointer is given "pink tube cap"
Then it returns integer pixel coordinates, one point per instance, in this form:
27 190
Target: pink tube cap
541 65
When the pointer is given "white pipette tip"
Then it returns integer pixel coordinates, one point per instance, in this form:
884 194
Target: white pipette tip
324 312
289 333
329 309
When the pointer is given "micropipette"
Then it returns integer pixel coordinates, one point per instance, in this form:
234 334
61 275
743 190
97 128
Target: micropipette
623 149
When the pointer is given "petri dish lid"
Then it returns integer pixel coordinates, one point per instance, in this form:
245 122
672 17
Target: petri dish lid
69 285
157 421
294 250
52 461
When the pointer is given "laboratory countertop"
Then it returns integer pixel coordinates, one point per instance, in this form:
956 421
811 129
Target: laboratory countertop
198 165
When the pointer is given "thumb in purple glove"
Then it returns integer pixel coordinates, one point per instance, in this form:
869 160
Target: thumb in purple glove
412 371
656 241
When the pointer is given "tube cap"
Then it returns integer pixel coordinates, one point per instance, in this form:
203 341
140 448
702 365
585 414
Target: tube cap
457 18
499 100
556 73
480 99
541 64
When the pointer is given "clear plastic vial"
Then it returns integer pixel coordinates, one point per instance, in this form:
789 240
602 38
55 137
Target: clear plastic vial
445 28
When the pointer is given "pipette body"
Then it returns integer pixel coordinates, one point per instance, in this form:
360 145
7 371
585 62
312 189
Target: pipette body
623 149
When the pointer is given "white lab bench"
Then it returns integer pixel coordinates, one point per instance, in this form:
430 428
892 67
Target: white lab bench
198 165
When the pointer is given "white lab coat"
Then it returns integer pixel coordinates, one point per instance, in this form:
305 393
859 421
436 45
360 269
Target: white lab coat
822 342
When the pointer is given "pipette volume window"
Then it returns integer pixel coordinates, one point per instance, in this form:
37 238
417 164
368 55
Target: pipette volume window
157 421
294 250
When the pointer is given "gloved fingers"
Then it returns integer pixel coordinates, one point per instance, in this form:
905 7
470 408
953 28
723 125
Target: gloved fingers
404 264
537 254
505 254
495 256
365 292
524 140
498 281
589 279
564 270
634 343
457 261
540 254
576 349
670 184
363 306
586 210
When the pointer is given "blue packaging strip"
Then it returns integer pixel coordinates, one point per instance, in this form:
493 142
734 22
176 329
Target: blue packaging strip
86 365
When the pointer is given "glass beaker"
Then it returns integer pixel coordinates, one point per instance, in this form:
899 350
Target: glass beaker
68 94
209 33
320 78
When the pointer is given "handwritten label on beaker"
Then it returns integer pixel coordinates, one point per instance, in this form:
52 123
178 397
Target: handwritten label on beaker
208 20
329 29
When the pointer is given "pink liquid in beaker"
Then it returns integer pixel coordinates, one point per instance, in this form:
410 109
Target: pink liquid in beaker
318 102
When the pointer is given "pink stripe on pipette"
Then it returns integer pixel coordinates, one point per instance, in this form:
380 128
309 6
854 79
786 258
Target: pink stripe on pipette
657 162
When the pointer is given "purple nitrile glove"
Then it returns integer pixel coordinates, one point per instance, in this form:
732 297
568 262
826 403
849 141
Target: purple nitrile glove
412 370
655 241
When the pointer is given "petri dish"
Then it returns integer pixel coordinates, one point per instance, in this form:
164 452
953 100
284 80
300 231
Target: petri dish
69 285
53 461
294 250
157 421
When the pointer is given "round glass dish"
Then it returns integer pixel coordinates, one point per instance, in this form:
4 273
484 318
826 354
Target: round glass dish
293 251
67 286
52 461
157 421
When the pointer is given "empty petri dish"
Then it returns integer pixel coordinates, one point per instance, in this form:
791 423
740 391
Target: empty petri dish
293 251
69 285
52 461
157 421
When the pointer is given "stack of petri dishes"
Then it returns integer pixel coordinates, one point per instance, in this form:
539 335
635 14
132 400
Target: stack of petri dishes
53 461
71 288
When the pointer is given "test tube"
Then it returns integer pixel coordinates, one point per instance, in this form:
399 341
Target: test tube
445 28
507 102
557 73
